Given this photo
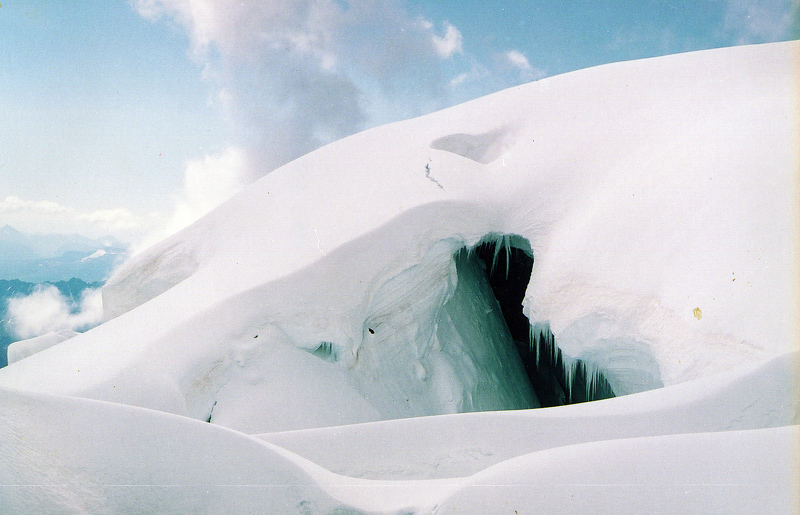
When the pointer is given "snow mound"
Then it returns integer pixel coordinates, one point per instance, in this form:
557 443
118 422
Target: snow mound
142 462
645 475
638 209
73 455
131 286
760 396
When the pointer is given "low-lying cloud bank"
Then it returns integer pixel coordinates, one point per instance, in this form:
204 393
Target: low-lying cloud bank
46 310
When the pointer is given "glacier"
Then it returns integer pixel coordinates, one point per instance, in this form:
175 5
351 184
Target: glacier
403 321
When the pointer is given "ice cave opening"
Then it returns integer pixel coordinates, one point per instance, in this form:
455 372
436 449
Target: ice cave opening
555 378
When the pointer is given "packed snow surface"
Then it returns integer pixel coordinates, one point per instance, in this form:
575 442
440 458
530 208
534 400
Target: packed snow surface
24 348
333 325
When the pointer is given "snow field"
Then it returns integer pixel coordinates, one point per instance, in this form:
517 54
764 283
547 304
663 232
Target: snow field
653 196
646 456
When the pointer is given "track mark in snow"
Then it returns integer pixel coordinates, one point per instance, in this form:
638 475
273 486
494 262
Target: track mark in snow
211 413
428 175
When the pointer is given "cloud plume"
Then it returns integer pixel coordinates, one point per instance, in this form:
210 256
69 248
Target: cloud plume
209 181
293 75
450 44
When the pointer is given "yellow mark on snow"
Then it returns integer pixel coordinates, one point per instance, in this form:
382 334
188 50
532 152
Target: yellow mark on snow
697 313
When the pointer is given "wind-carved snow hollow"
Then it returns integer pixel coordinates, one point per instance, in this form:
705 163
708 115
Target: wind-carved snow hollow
482 148
445 335
432 340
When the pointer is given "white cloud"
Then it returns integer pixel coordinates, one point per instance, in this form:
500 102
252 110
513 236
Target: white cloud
49 216
293 75
14 204
46 310
762 21
518 59
207 183
505 69
114 220
476 73
450 44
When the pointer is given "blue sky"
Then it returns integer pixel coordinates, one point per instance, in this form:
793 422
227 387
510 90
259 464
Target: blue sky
134 118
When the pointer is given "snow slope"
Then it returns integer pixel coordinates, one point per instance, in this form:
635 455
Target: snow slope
753 397
662 451
659 201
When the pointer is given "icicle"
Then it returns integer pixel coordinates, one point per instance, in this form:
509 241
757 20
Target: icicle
502 243
533 341
593 381
589 372
569 376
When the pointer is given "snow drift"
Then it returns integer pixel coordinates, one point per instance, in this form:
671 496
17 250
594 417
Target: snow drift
645 214
24 348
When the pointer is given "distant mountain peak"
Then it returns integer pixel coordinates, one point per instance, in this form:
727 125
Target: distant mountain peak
7 231
48 257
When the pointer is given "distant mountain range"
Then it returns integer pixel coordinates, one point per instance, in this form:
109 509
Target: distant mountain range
70 262
38 258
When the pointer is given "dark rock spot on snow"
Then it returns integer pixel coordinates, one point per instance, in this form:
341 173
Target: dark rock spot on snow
371 331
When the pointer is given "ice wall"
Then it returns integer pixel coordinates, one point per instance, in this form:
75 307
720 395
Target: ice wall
435 341
432 340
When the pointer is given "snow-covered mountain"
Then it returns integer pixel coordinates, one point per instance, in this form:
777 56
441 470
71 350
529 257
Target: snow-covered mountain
629 230
39 258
